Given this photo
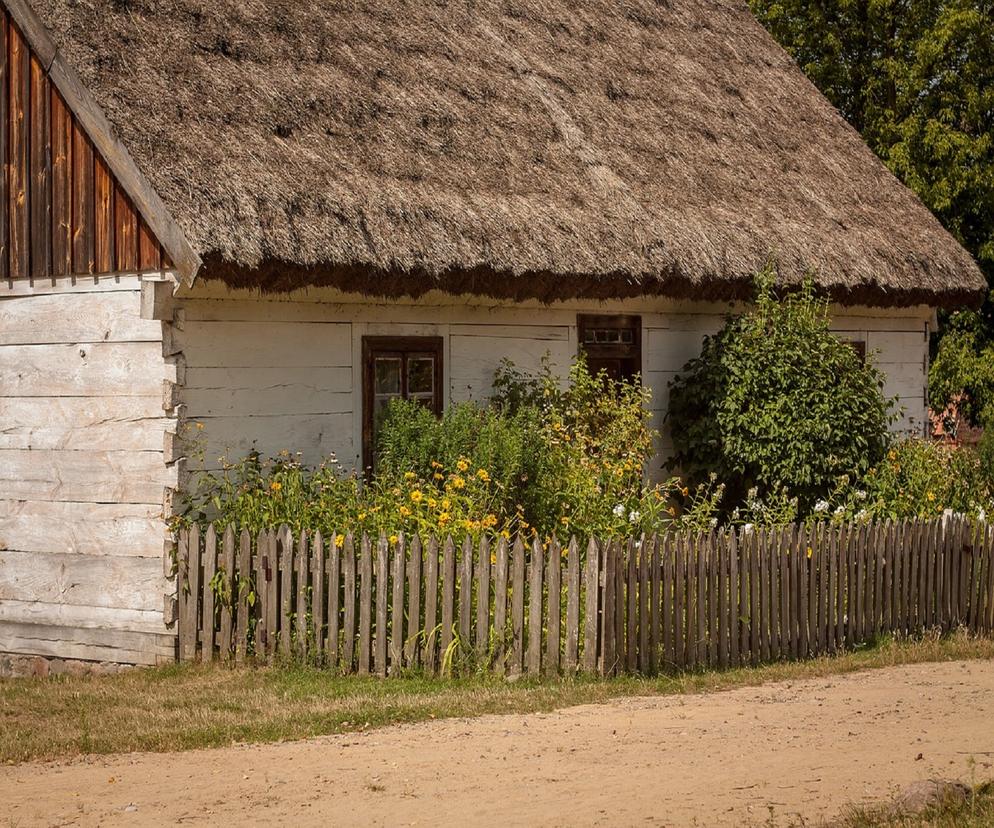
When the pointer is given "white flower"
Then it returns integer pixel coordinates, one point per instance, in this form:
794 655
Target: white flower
861 514
981 515
633 516
751 494
860 495
748 527
619 510
841 510
821 506
714 522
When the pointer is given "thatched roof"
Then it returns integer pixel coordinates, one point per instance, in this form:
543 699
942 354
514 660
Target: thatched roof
512 147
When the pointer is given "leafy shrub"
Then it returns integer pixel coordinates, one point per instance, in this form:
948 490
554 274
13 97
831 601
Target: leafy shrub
777 402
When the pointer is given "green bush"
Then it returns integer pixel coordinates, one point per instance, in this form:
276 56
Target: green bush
777 402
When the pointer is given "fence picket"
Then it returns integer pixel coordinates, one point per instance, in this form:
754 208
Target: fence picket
535 573
591 605
554 593
483 566
763 582
722 599
229 594
411 649
334 602
745 609
317 594
431 606
517 665
620 573
466 596
500 605
397 605
300 606
643 604
365 604
571 648
655 584
679 596
755 608
448 595
349 597
734 614
631 606
241 589
208 624
711 552
775 543
690 627
608 625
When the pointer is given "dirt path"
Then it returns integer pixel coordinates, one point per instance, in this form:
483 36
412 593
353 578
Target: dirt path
725 759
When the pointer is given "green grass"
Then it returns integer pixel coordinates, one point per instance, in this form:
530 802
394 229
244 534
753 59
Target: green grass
194 706
976 812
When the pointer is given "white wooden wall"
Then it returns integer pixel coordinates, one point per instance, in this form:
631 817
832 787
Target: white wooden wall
83 473
283 372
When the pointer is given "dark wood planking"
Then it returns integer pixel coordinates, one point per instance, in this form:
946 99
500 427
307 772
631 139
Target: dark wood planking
19 216
4 134
34 32
103 190
149 252
82 202
61 132
125 232
40 201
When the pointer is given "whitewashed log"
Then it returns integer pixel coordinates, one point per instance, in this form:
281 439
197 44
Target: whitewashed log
89 317
84 476
122 529
83 370
157 300
74 285
105 581
86 644
71 615
227 391
275 344
315 436
75 423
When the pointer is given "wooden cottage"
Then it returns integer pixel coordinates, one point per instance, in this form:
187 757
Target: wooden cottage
243 213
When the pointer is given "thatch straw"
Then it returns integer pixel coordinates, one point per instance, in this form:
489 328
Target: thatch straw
519 148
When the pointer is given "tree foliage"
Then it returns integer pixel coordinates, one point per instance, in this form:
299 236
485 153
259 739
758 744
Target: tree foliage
916 78
777 402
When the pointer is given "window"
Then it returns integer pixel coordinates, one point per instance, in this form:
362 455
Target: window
859 346
612 344
407 368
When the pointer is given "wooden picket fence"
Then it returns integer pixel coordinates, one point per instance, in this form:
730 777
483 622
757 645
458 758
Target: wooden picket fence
664 602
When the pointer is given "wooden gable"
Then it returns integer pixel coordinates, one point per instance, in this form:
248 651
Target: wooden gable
64 211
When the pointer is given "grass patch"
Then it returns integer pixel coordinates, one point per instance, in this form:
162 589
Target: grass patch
977 811
181 707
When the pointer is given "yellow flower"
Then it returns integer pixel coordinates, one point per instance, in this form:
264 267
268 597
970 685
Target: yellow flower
892 455
685 491
416 496
493 557
484 475
564 520
275 485
810 552
930 496
432 503
339 541
672 510
458 482
362 515
438 476
396 492
505 535
446 503
393 539
404 511
490 520
443 518
200 426
463 464
435 464
409 475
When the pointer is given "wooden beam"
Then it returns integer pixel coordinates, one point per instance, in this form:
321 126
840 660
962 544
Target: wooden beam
103 189
61 187
33 31
41 181
20 93
4 134
82 202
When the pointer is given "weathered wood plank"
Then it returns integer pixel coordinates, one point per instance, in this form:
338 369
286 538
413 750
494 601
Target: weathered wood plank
591 606
517 664
631 606
411 649
554 591
184 562
735 612
317 594
397 606
103 238
764 594
40 173
535 575
448 595
466 595
680 592
245 584
349 604
655 587
285 553
5 272
149 258
365 604
776 547
722 547
609 641
571 647
208 624
336 543
301 628
483 568
428 658
61 187
18 173
87 643
500 605
125 233
381 640
83 203
690 629
755 607
642 550
229 594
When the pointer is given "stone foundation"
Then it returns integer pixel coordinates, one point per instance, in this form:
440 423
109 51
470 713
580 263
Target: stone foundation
21 666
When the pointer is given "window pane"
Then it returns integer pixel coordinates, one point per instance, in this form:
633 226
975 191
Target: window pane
420 375
387 380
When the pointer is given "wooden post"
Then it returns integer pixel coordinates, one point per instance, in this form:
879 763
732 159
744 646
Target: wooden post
302 626
655 585
592 605
722 545
240 593
333 587
317 594
734 613
448 594
349 598
210 570
518 608
572 647
397 619
431 606
231 589
466 596
483 566
554 591
414 603
382 639
680 592
632 585
535 608
608 631
500 605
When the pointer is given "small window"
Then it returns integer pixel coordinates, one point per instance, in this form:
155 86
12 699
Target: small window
612 344
406 368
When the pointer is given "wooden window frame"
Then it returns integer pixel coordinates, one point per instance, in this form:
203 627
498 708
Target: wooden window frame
630 350
404 347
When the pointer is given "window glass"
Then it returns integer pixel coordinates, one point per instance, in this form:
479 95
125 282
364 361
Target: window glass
387 380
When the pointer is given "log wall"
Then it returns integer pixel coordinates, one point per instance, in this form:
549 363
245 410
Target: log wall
83 473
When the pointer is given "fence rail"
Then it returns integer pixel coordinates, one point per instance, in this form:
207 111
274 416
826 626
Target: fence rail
673 601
